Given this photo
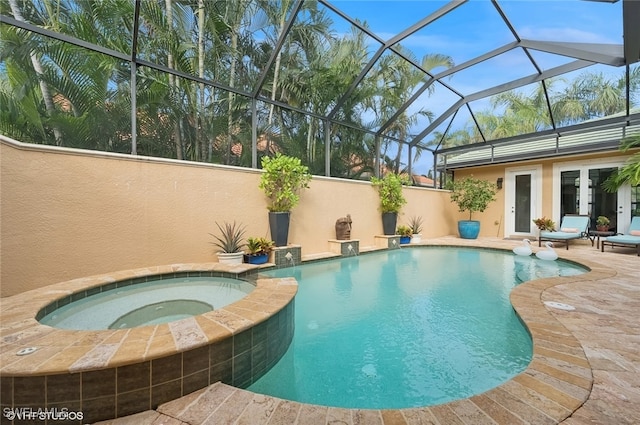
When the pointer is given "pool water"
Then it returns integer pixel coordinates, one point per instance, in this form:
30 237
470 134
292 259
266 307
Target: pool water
405 328
149 303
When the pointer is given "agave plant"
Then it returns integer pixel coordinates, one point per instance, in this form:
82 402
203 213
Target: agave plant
415 222
231 237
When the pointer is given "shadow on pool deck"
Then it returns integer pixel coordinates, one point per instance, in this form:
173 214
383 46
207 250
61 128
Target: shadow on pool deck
585 369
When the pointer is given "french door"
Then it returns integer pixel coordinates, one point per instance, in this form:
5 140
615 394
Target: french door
578 190
523 191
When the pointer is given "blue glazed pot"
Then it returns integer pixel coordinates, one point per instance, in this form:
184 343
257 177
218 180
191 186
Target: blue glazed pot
256 259
469 229
405 239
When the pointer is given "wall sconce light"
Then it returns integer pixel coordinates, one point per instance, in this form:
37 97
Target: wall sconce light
499 183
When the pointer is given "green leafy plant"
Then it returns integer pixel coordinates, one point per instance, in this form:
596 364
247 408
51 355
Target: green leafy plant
231 237
544 223
630 171
602 223
403 230
259 246
390 191
283 178
471 194
415 222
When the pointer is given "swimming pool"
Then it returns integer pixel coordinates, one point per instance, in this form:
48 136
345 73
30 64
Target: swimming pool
405 328
158 300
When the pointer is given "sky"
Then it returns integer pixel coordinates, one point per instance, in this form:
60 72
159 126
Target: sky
475 27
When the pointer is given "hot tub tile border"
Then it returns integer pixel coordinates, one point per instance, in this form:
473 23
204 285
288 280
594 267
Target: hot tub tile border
20 328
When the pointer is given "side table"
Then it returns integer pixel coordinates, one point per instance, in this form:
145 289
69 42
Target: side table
595 235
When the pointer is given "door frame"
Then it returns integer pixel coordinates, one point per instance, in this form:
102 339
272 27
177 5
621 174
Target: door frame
510 173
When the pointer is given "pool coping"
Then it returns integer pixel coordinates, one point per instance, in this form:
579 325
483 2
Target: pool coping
557 382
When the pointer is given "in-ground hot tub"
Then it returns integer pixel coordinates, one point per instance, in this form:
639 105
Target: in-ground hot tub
141 301
117 372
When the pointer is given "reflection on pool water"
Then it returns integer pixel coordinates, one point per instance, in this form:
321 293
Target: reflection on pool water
405 328
149 303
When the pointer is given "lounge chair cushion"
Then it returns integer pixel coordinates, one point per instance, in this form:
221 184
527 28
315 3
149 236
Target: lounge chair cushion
560 235
624 239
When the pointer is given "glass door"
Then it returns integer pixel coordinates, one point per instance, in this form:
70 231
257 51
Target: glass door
523 190
601 202
522 218
569 192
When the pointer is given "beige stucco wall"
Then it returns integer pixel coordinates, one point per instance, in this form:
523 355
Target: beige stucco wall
67 213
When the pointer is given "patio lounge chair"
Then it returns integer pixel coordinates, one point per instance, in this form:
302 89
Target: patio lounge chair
572 227
630 239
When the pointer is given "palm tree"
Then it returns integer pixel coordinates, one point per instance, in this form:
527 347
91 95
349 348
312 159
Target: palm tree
397 81
47 97
78 99
630 172
591 95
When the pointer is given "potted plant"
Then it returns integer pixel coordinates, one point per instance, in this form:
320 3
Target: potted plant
405 233
391 199
602 223
415 222
473 195
258 250
281 181
229 242
545 223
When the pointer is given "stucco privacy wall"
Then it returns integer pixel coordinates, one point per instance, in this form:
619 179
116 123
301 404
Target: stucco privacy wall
68 213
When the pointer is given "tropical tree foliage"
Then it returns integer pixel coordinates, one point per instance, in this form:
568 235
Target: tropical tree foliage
62 94
204 76
629 173
589 96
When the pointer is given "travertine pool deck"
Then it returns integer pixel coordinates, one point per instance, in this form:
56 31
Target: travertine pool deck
585 368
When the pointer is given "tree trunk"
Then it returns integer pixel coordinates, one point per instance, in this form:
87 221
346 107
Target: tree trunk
177 135
276 71
236 18
37 67
201 56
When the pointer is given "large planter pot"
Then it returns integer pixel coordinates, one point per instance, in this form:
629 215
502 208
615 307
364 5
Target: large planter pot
389 220
256 258
279 225
230 257
469 229
416 238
